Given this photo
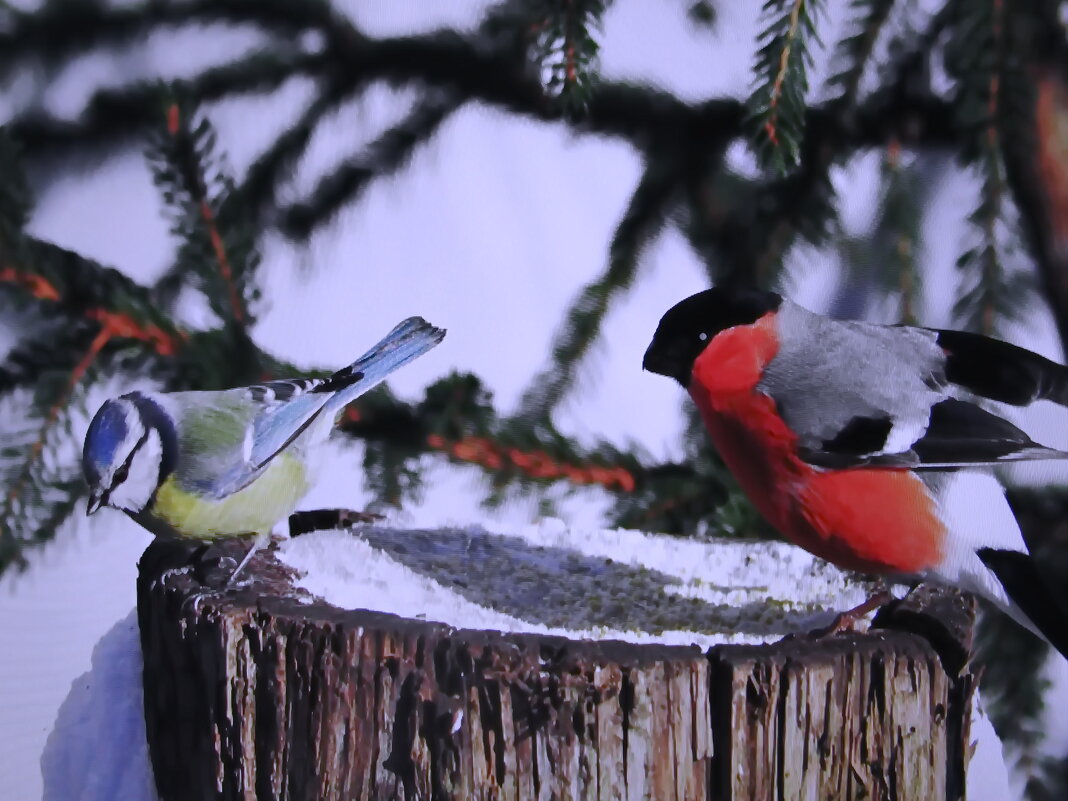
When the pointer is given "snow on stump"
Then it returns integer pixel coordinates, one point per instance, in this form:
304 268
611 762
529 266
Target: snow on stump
276 690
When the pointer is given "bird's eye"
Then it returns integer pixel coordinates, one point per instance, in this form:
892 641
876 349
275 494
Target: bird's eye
703 336
121 474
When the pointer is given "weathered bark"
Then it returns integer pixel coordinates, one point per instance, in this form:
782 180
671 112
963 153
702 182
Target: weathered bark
859 717
264 693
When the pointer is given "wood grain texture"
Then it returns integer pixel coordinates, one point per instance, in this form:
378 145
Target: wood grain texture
264 692
860 717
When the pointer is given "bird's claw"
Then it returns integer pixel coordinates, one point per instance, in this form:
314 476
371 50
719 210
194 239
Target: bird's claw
846 622
214 572
194 600
235 583
170 572
843 623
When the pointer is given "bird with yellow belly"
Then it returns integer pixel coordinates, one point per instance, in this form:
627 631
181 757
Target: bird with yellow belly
206 465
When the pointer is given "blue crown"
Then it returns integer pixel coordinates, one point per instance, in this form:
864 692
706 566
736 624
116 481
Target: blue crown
106 432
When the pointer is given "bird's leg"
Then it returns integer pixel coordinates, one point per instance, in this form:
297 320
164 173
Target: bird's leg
212 575
847 621
258 542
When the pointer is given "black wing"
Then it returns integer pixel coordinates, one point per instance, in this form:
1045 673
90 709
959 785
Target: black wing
1001 372
963 433
958 434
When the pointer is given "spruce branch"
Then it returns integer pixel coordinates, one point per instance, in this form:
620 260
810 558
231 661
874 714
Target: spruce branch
744 229
41 485
979 57
751 243
993 290
59 344
387 154
565 48
882 262
114 117
64 284
853 52
47 344
256 194
1050 781
58 32
457 420
801 207
644 217
1036 161
1015 706
777 104
43 481
14 191
748 242
899 228
195 185
910 50
478 69
254 199
694 497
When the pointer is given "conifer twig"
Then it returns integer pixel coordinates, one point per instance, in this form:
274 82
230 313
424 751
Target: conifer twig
642 220
116 117
565 48
777 104
854 51
992 292
389 152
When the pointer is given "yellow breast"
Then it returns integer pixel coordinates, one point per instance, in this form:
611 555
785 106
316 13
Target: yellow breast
253 510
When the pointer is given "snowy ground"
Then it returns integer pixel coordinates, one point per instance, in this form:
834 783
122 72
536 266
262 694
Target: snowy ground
579 583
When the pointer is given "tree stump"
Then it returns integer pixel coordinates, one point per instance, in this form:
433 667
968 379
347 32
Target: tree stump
266 692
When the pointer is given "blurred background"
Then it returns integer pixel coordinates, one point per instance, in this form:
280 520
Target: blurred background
199 194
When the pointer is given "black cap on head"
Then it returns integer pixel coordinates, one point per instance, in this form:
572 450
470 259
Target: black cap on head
690 325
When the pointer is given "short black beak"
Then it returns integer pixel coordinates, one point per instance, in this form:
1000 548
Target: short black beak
663 361
650 361
96 500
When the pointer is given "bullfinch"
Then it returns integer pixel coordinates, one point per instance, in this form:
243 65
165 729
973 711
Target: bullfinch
860 442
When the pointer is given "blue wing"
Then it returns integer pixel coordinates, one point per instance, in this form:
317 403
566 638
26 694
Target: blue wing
307 400
228 438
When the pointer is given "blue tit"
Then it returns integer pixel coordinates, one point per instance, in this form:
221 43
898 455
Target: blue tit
204 465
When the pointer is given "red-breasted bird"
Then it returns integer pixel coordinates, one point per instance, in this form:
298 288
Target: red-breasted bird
850 438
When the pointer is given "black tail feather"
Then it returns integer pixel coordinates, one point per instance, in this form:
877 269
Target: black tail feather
1026 585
